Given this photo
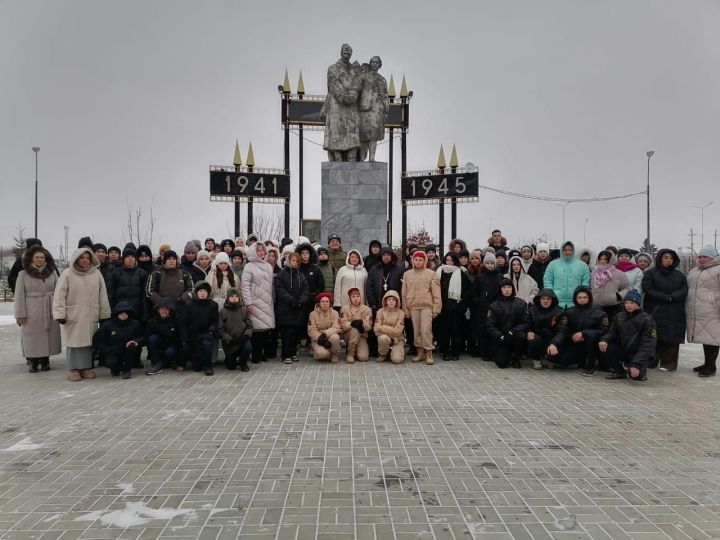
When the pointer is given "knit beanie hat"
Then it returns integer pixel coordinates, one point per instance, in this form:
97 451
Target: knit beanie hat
144 250
202 284
324 250
237 253
190 247
322 295
85 241
232 291
169 254
98 246
203 253
129 252
542 246
645 256
222 257
708 251
633 296
489 257
114 248
625 251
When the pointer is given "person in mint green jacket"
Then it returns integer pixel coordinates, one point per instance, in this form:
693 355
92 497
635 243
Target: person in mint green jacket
566 274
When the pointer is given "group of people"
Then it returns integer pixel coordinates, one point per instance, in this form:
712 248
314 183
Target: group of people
617 311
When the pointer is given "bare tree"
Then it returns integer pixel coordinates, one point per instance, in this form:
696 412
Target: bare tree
140 227
268 223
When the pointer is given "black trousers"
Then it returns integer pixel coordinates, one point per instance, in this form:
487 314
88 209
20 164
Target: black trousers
537 348
584 354
508 351
711 354
409 333
125 360
450 336
262 346
618 358
239 356
290 337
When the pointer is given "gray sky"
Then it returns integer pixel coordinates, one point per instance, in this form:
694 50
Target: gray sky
133 100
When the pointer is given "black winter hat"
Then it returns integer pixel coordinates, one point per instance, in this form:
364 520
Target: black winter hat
209 240
237 253
323 249
123 307
285 242
227 242
85 242
129 252
169 254
130 245
144 250
166 303
464 253
626 251
114 248
30 242
98 246
202 284
334 237
431 247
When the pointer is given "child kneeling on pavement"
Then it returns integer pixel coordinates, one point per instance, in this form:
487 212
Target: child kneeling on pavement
507 323
202 329
545 315
235 330
324 329
120 340
356 322
630 343
165 338
389 327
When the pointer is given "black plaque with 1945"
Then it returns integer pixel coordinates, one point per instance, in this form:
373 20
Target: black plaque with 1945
430 187
257 185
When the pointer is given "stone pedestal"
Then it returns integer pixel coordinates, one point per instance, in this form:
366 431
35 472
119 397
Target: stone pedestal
354 203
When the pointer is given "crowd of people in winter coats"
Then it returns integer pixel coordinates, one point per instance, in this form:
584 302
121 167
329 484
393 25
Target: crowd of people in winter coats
616 311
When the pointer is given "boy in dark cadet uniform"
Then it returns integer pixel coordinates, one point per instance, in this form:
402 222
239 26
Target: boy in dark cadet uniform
578 334
120 340
545 315
631 341
165 338
507 323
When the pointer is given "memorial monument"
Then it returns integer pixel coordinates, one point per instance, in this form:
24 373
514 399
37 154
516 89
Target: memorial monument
354 192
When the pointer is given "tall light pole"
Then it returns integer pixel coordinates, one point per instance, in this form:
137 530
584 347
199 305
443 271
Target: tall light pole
649 154
564 206
36 149
702 222
585 231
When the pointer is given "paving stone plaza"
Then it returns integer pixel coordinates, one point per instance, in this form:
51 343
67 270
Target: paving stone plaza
458 450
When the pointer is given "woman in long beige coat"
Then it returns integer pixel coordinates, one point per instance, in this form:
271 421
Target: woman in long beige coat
702 308
80 302
39 333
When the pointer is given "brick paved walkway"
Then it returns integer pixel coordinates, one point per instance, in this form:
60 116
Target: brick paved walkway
457 450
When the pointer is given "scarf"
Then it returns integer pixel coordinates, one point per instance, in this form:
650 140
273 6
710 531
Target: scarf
455 286
601 274
625 266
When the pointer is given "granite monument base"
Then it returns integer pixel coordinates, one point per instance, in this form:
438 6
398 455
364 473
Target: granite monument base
354 203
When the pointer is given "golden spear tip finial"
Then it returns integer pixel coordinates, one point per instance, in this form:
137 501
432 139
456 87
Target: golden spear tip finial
286 83
403 88
237 158
250 157
301 84
391 88
441 158
453 157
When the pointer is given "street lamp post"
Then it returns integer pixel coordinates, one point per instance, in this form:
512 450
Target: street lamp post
702 221
585 231
649 154
36 149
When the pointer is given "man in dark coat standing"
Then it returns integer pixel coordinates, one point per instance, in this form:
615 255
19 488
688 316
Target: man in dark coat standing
18 265
383 277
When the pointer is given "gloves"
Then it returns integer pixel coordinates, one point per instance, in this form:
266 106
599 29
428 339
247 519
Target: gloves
323 341
61 321
357 324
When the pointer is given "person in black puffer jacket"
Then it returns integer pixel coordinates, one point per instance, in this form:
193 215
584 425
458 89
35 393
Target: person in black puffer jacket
454 288
291 298
545 315
106 267
144 259
630 343
507 323
666 289
483 292
235 329
120 340
127 284
373 256
202 327
578 334
166 338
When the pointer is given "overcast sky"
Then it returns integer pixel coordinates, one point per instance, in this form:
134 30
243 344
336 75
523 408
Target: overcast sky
133 100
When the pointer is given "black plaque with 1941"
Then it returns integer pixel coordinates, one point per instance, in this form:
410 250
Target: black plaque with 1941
258 184
434 185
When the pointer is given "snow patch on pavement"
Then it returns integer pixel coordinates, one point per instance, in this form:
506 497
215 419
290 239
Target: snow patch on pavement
24 445
134 515
6 320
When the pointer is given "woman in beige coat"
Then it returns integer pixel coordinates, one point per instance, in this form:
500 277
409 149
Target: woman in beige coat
80 302
39 333
702 308
324 329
